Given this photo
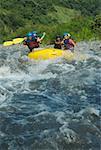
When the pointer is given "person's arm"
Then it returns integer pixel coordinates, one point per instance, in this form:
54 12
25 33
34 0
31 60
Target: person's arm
72 42
62 42
24 41
40 39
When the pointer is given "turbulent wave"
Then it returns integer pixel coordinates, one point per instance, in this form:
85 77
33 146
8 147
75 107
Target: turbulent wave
50 105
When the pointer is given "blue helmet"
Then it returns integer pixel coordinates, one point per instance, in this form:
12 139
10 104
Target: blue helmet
34 32
66 33
29 34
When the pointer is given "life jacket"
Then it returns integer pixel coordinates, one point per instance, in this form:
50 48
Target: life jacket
68 44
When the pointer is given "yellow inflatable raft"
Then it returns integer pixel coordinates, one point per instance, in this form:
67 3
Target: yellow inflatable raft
50 53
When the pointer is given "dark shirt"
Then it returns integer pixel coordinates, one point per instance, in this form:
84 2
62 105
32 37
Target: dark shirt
31 44
58 44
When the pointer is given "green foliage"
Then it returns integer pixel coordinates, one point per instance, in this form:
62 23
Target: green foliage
96 25
17 17
87 7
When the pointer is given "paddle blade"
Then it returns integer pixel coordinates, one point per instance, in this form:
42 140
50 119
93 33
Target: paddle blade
18 40
8 43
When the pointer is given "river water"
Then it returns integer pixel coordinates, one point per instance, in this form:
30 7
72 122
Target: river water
50 105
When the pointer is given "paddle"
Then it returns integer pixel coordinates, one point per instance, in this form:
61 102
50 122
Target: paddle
18 40
8 43
14 41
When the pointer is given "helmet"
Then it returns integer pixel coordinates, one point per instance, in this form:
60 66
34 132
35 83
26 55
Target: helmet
58 36
66 34
29 34
34 33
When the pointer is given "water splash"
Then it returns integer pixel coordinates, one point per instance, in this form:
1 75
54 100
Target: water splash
50 105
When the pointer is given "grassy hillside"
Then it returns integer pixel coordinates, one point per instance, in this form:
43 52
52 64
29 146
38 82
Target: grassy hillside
87 7
63 14
82 19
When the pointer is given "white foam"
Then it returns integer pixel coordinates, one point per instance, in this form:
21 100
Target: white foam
69 135
4 71
60 117
43 113
89 111
43 76
4 95
65 67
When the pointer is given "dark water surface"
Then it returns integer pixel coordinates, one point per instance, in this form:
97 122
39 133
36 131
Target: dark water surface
50 105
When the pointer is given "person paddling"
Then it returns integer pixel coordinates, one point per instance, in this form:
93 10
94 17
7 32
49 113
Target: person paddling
58 42
69 43
32 40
